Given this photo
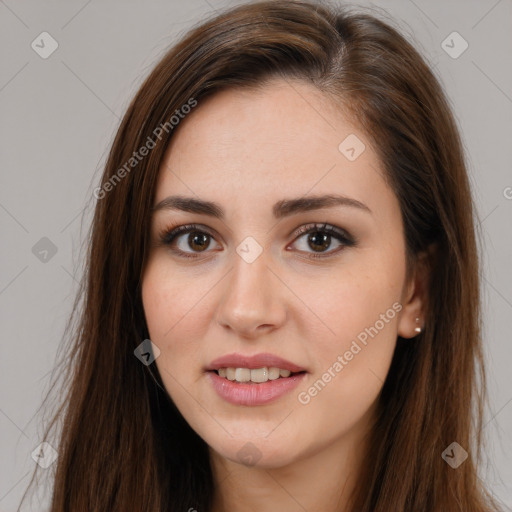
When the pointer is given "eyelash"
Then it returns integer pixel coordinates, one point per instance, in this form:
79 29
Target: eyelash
169 235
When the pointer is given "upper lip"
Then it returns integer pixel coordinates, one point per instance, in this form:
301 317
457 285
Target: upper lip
252 362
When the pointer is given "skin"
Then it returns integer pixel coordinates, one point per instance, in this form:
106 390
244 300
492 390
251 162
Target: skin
246 150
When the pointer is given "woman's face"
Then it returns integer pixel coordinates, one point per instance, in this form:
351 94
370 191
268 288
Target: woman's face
328 303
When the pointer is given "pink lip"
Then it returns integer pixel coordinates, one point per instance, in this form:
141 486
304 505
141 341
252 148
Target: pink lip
252 362
252 393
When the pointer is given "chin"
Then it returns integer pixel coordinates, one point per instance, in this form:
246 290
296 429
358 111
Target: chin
253 452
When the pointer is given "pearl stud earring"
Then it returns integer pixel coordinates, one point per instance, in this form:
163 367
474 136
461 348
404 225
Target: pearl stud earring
417 328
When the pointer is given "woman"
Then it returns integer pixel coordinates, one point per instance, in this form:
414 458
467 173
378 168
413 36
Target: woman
281 305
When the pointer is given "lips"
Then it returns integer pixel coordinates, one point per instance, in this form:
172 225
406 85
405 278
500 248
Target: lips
261 360
250 394
228 376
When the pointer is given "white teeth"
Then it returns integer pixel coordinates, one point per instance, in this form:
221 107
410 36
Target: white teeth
242 374
258 375
273 373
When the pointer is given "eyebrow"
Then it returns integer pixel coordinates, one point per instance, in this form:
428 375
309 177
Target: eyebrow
281 209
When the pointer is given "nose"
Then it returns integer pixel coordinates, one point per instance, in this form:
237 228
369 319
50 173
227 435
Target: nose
253 301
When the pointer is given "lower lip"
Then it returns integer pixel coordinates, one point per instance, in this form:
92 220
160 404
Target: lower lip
253 394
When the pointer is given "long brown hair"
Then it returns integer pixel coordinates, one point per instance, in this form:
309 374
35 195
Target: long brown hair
122 443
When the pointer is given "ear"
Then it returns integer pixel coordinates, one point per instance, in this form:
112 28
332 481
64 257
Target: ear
415 297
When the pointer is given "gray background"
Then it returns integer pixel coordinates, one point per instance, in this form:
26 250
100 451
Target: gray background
58 117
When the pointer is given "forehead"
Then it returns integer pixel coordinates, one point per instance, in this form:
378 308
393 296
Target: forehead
262 145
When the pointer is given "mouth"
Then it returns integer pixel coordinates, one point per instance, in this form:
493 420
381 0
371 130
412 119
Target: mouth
248 393
252 380
255 375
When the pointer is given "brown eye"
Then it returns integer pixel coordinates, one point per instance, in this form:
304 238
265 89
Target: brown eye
320 237
198 240
319 241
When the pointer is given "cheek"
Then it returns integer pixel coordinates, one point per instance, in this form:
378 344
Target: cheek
174 308
355 296
166 316
360 308
174 327
171 299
